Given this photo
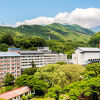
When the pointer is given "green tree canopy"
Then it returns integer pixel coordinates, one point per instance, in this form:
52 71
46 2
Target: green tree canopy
9 79
33 64
54 92
95 67
4 47
39 86
29 71
90 87
58 74
94 40
7 39
8 88
30 80
61 62
21 80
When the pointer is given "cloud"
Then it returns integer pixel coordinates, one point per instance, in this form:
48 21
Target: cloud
88 18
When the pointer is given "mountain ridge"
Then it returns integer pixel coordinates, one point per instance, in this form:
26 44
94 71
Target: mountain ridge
53 31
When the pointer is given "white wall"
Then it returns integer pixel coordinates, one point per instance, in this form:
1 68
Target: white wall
91 55
81 58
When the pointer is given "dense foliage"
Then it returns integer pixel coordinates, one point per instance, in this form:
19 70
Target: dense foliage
9 79
54 92
30 80
8 88
4 47
59 74
51 79
67 47
89 86
94 40
29 71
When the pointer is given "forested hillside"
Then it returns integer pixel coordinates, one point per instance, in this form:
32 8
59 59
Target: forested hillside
53 31
94 40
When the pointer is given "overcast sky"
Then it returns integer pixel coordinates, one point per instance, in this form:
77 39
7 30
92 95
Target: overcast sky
17 12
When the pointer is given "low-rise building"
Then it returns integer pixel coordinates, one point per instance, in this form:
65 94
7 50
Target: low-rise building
85 55
16 94
9 63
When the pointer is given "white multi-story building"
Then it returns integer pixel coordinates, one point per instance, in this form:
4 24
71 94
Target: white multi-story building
85 55
41 57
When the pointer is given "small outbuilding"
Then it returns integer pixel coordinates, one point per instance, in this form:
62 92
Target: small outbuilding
16 94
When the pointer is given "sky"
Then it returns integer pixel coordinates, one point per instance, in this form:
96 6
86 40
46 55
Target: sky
17 12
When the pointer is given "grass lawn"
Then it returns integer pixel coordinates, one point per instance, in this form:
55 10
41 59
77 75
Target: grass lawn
62 97
41 98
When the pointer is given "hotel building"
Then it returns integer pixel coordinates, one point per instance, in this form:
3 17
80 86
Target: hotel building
9 63
41 57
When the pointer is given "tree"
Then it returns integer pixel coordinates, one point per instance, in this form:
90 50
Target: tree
56 46
7 39
95 67
33 64
37 41
30 96
94 40
24 98
4 47
23 43
21 80
54 92
58 74
38 85
29 71
89 88
9 79
8 88
69 53
61 62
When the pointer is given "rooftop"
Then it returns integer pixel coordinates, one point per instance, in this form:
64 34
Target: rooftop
35 52
13 48
15 92
86 49
9 54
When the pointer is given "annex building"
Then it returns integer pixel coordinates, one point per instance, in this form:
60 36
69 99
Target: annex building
86 55
17 94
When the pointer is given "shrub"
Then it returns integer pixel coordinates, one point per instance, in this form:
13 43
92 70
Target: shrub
30 96
61 62
8 88
24 98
